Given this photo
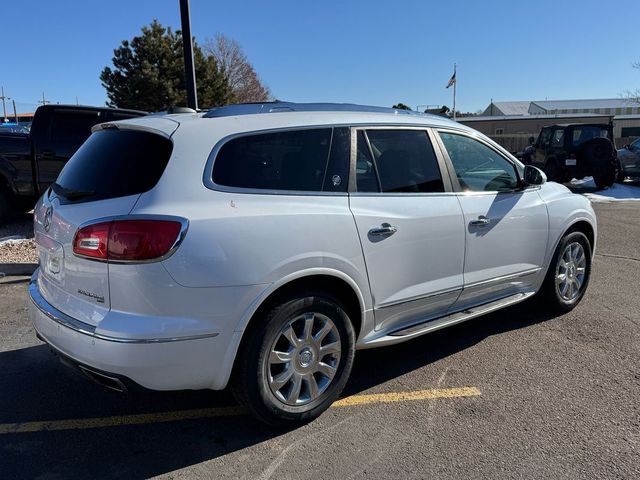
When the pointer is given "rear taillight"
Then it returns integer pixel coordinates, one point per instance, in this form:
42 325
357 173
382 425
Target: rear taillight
127 240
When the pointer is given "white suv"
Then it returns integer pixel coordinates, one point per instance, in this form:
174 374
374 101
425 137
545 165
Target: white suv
262 245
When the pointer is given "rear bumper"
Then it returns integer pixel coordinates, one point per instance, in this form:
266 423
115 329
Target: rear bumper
189 362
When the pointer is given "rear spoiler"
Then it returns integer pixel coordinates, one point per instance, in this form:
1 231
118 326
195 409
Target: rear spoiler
158 125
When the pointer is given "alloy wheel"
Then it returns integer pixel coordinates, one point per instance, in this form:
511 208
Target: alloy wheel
571 271
303 359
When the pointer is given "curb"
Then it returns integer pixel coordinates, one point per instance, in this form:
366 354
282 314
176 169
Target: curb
17 269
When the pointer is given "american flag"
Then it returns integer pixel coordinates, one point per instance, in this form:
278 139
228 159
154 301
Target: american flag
452 80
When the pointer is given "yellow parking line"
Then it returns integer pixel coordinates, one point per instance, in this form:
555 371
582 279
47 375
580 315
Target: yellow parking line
407 396
161 417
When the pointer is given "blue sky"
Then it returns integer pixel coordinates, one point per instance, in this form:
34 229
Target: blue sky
370 52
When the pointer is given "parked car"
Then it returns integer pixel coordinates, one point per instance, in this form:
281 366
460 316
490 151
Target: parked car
262 245
31 161
564 152
629 161
13 128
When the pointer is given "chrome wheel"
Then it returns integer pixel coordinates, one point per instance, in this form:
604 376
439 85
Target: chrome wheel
570 272
303 359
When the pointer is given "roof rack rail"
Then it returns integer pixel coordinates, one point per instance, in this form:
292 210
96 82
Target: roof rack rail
276 107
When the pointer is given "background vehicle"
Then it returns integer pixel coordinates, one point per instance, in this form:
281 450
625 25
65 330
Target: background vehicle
261 245
629 161
577 151
30 162
13 127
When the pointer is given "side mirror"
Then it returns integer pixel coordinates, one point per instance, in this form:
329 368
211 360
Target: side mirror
627 146
533 176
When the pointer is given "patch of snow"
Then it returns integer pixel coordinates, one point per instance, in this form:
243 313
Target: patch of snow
12 240
618 192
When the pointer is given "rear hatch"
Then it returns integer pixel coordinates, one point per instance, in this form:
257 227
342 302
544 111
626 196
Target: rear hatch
103 179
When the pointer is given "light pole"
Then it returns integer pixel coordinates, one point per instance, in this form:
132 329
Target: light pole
187 45
4 105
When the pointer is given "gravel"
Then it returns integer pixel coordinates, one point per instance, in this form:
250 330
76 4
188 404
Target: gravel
18 251
16 240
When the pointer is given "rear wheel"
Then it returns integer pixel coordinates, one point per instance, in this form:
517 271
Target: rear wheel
568 275
296 361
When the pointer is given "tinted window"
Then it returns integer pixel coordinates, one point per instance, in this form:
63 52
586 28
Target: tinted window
291 160
115 163
558 138
478 167
366 177
545 136
405 161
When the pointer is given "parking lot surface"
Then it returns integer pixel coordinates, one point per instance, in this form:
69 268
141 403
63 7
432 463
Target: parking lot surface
515 394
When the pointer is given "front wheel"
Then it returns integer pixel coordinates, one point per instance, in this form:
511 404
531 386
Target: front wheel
568 275
620 175
296 361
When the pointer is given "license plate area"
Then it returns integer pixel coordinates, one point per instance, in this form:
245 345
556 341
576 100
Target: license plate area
570 162
51 257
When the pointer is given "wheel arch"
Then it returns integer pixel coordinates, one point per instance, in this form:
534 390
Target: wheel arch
585 227
335 283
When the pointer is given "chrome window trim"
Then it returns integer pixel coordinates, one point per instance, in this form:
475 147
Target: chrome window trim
207 175
85 329
184 227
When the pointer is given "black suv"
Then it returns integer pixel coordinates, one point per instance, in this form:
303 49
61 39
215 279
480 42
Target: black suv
576 151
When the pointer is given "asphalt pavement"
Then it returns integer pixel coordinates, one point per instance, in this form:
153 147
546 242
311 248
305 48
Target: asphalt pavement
515 394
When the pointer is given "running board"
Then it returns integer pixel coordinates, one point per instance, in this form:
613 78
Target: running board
401 335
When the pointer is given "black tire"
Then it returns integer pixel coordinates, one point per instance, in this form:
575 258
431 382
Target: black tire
250 383
606 180
550 295
553 172
620 176
6 209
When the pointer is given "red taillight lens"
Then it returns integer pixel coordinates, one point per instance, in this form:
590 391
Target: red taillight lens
127 240
91 241
141 239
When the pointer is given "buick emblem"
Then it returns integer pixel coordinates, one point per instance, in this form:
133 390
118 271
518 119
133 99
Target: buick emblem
46 223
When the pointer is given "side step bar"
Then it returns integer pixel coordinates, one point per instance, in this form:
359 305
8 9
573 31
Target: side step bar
448 320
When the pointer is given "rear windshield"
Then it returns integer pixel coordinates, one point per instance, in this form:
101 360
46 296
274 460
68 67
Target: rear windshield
114 163
586 133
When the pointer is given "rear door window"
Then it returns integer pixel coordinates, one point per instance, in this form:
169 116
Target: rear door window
294 160
114 163
404 162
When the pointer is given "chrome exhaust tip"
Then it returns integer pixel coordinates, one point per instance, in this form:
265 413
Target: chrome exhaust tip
111 383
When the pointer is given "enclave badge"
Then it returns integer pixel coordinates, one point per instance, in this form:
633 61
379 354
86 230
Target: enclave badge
46 223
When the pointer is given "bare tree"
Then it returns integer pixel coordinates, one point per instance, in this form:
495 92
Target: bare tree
633 95
233 63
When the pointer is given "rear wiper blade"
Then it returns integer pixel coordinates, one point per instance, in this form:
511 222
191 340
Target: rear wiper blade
71 194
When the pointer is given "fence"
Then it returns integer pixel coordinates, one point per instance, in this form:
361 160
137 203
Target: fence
517 142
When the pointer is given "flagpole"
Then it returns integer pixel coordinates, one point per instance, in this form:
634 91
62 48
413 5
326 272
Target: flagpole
454 91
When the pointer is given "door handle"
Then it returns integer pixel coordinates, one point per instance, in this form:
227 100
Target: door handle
47 154
481 221
383 230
